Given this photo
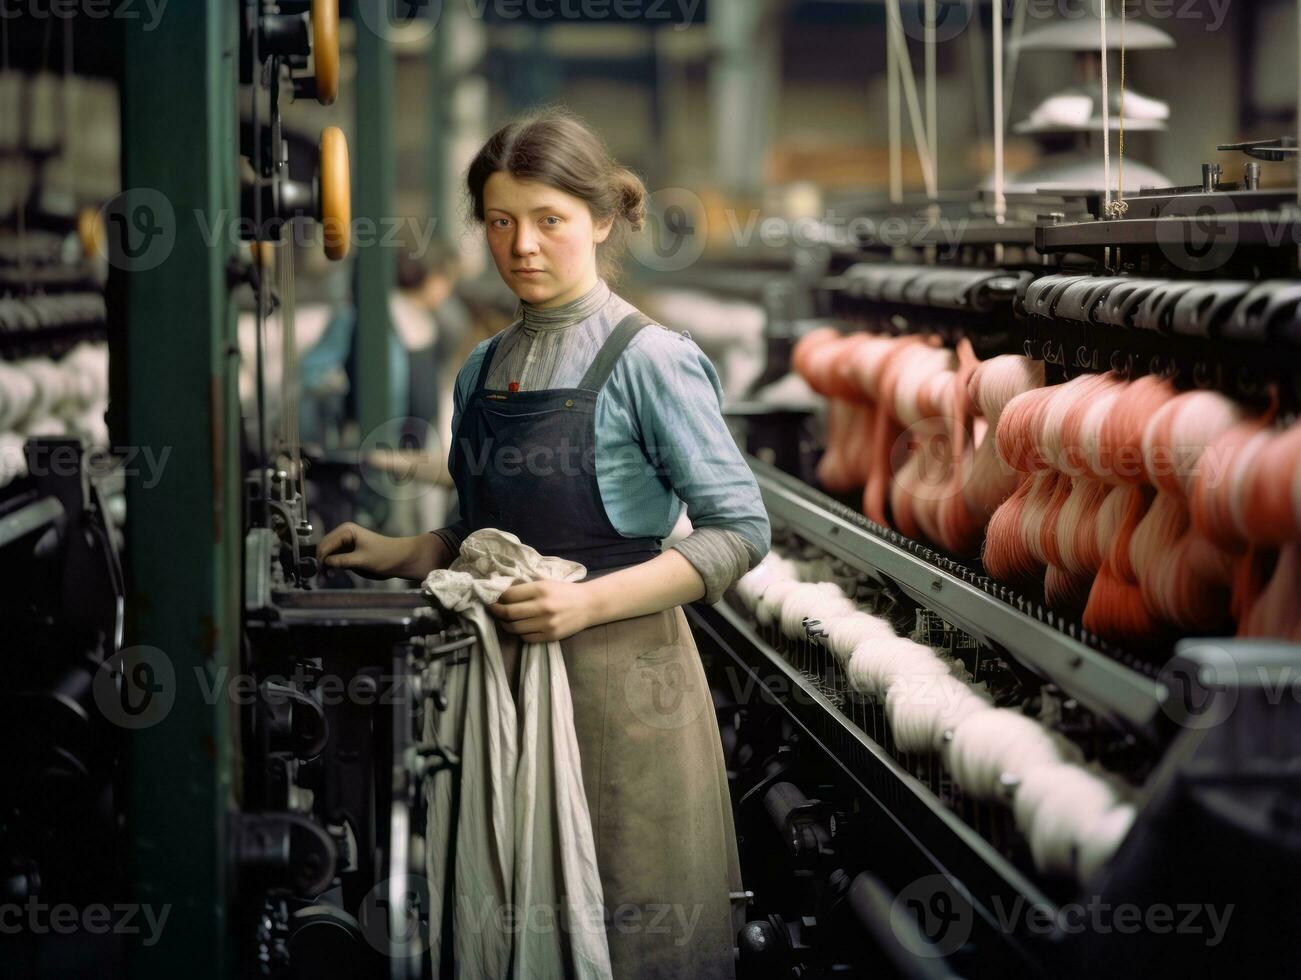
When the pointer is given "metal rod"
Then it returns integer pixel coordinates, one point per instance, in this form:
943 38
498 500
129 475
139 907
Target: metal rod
932 113
1000 123
895 117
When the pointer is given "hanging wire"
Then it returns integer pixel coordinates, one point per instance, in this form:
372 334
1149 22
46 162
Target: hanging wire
900 43
1106 115
1000 121
68 92
1121 206
979 73
932 110
289 365
895 117
1014 57
1115 208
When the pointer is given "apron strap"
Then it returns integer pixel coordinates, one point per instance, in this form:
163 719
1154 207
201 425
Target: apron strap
608 355
487 363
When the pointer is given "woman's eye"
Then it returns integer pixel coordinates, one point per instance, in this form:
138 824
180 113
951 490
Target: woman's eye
551 221
500 222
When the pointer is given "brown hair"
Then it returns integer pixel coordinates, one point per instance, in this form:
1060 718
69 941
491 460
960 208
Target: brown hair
556 148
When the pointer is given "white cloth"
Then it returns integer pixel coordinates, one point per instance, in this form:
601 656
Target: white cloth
527 893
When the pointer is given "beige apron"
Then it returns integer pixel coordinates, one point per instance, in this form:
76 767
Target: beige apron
656 786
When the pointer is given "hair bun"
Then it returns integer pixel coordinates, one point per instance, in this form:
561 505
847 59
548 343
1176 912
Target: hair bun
632 198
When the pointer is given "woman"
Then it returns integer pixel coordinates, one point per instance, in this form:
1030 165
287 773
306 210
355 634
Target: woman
583 428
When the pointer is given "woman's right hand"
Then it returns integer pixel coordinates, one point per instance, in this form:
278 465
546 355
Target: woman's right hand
374 555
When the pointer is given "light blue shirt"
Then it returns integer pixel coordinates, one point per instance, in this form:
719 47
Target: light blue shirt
662 443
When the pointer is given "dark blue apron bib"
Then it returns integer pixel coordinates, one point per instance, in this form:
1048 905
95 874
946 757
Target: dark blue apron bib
525 462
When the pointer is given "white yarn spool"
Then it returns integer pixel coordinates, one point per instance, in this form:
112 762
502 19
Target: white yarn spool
1063 819
922 708
51 385
877 663
798 604
989 745
1103 839
92 428
90 362
1037 785
770 600
13 462
17 393
46 425
751 585
845 633
829 609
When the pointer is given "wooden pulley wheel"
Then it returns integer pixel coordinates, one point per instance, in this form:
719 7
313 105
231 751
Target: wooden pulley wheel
90 231
335 193
263 253
325 49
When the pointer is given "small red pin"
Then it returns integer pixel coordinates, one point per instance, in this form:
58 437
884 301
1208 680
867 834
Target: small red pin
513 386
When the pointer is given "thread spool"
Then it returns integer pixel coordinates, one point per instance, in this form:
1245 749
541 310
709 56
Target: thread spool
875 664
922 708
992 748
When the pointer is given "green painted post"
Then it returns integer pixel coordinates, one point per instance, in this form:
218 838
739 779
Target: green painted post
373 171
180 153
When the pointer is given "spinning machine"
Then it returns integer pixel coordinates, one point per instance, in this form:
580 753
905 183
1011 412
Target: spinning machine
925 747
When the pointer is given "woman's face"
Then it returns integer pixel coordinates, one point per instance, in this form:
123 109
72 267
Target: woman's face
542 239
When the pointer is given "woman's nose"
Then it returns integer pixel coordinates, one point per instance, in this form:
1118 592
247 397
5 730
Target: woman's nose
525 242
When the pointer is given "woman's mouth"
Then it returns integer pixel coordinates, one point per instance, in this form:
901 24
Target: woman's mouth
528 272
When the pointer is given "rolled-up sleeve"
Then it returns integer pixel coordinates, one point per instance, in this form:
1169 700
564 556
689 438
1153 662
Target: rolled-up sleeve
677 400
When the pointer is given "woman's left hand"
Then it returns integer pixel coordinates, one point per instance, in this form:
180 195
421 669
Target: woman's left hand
541 611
